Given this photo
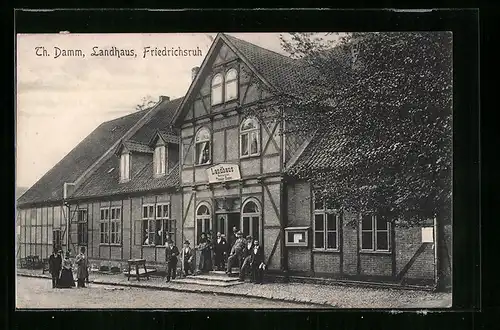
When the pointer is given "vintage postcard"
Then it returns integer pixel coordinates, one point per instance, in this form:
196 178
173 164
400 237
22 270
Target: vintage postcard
287 170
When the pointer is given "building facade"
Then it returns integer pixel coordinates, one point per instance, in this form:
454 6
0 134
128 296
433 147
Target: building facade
207 162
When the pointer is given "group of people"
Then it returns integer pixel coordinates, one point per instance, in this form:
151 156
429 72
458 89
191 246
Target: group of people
216 253
61 269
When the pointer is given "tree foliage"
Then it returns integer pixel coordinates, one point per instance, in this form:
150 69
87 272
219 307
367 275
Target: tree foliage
145 103
386 99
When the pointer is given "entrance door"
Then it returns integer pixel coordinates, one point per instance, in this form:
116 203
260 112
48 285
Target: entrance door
225 224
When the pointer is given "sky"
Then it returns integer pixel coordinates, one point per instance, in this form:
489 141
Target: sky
62 100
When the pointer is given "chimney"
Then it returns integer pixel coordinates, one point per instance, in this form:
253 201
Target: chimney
194 72
164 98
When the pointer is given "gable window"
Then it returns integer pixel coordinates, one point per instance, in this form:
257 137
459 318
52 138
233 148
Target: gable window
231 85
249 137
159 160
125 167
217 89
110 225
374 233
326 226
202 147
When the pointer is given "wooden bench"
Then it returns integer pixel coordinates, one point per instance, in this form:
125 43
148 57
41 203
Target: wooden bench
137 264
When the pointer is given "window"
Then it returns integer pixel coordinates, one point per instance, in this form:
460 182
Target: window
110 225
202 147
157 228
148 230
159 160
374 233
115 222
203 220
104 226
82 227
249 137
217 89
231 85
326 226
250 217
56 238
125 167
164 226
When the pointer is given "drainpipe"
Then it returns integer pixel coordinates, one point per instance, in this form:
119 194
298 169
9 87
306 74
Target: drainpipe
436 255
284 221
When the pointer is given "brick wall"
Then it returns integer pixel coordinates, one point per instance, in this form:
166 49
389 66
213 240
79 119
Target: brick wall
408 241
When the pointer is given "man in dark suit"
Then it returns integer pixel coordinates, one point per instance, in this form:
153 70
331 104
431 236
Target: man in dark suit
171 253
187 258
236 254
220 249
246 258
55 265
257 263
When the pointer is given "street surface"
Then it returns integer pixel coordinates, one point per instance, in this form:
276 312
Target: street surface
38 293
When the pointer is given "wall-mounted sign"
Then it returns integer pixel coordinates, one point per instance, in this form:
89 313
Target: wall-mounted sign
296 236
223 173
427 235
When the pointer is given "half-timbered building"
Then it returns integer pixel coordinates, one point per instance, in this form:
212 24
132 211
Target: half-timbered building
204 163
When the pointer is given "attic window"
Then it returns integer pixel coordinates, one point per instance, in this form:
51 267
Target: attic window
217 89
125 167
159 160
231 85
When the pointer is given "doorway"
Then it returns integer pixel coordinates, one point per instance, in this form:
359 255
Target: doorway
225 223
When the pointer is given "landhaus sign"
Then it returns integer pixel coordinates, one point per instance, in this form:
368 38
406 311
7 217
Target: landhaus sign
223 172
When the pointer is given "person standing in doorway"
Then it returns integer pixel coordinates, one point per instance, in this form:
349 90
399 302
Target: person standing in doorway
171 253
220 249
55 264
82 268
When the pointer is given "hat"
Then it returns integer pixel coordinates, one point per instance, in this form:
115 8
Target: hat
249 237
170 241
186 242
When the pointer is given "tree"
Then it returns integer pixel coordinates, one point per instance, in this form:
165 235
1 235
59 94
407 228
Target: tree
385 101
145 103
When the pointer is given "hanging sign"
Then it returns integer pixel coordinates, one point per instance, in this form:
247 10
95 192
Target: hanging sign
223 173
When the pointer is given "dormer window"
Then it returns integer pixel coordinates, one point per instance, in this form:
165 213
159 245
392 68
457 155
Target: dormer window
217 89
202 146
125 167
231 85
159 160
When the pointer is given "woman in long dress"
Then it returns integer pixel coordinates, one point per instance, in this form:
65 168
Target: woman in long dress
66 280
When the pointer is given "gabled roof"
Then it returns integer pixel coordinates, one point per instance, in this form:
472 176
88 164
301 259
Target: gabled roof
132 146
50 187
106 181
160 121
282 72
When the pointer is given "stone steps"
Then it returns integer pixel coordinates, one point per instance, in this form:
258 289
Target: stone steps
212 278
